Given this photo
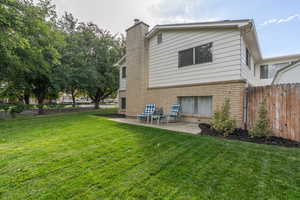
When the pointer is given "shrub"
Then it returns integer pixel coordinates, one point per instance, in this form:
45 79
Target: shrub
60 106
4 107
17 109
222 121
28 106
261 127
51 106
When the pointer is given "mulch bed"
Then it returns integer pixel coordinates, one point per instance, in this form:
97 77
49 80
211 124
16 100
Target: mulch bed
113 115
243 135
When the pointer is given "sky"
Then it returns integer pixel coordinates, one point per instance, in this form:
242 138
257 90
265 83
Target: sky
277 21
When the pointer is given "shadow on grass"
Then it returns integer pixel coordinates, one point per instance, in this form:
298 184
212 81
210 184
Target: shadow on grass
179 165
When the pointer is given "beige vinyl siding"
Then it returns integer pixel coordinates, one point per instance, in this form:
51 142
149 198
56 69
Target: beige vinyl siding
290 75
246 72
163 57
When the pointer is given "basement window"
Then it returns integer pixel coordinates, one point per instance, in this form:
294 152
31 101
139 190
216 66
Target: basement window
200 105
123 103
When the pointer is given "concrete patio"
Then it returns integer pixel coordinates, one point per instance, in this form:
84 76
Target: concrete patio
172 126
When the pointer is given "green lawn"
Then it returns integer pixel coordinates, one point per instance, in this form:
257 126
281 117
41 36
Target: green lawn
81 156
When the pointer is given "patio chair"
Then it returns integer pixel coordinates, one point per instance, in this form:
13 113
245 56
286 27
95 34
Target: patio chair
175 112
158 116
148 112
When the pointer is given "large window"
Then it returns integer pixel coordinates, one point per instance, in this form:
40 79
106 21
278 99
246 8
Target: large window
203 54
201 105
264 72
197 55
186 57
123 103
123 72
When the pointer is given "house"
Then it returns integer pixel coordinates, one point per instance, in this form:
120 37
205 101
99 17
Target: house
195 64
288 74
267 69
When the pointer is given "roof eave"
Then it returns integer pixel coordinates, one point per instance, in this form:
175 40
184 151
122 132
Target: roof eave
278 58
225 24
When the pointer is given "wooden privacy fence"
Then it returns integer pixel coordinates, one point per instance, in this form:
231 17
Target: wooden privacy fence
283 104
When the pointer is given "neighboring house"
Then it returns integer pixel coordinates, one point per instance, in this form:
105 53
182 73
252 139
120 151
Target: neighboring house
267 69
194 64
288 74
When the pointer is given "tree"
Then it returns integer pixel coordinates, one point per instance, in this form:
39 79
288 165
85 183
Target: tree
73 74
41 56
13 42
30 60
101 51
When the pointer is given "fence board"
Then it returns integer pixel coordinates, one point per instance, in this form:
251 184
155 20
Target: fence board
283 104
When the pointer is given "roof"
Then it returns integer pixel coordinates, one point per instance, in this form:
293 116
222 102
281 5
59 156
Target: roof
279 58
284 69
212 24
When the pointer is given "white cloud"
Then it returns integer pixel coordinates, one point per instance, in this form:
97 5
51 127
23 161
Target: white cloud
118 15
282 20
178 11
114 15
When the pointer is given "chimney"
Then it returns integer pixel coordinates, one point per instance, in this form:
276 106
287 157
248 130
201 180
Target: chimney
136 62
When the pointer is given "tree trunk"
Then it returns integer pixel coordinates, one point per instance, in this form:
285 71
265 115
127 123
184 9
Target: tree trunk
41 106
97 103
73 100
27 97
97 98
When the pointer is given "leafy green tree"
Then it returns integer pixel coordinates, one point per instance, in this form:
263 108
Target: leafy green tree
101 50
73 71
33 57
41 56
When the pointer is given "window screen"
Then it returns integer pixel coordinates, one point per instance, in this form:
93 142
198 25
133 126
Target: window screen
264 72
204 105
186 57
187 104
203 54
201 105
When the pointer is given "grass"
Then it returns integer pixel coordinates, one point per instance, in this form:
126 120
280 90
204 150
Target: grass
81 156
